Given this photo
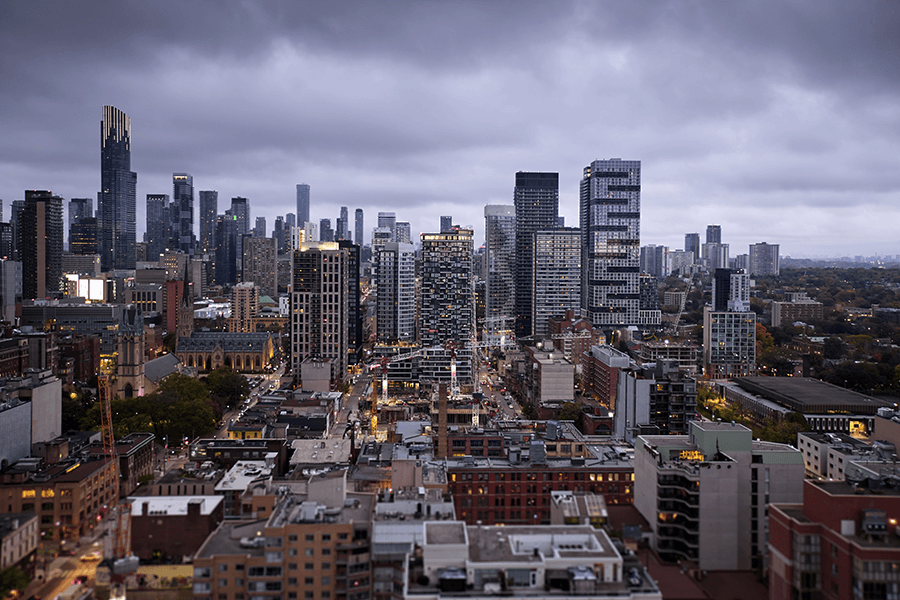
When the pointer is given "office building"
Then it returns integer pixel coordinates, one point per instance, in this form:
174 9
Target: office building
389 221
557 275
10 290
157 235
40 238
354 308
446 223
320 306
79 208
240 210
764 259
343 228
395 313
610 211
278 234
209 207
536 201
692 244
16 208
183 197
326 233
116 201
713 234
83 236
706 494
500 257
226 250
302 204
359 228
447 302
259 229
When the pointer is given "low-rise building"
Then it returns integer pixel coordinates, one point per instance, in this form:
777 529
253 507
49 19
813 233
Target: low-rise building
20 536
165 528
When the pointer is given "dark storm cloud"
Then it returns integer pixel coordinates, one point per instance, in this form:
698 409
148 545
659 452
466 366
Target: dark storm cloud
778 120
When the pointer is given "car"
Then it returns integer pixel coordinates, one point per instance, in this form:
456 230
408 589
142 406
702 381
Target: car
509 406
92 556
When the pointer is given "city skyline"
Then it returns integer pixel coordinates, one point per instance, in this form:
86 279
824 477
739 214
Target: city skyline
775 121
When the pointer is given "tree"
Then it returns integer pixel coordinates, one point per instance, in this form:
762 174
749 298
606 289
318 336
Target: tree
13 578
833 348
227 388
570 411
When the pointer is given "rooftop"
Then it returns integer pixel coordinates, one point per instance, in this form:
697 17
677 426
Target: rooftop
808 395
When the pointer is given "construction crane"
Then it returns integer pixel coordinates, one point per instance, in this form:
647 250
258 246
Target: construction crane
118 540
680 311
384 363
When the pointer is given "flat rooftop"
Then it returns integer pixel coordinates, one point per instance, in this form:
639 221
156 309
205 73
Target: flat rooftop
811 396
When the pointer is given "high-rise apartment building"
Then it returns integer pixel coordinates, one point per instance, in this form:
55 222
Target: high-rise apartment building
183 196
404 232
447 302
500 256
692 244
715 256
278 234
79 208
259 264
713 234
116 201
655 260
764 259
343 225
557 275
10 290
446 223
290 221
730 290
209 209
259 230
354 308
157 234
244 307
395 313
40 238
302 204
240 210
729 343
536 200
226 250
610 213
359 228
319 307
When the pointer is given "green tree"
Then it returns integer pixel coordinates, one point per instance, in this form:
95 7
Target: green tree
227 388
833 348
570 411
13 578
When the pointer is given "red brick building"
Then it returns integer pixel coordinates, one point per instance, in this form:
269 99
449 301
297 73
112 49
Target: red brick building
172 527
842 542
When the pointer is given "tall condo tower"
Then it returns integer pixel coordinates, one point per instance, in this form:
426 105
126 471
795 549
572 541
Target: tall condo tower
536 199
610 211
302 204
500 256
557 275
40 238
692 244
157 235
183 196
446 222
713 234
359 228
116 201
396 292
209 207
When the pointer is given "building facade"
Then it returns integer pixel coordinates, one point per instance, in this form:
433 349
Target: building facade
536 202
116 201
556 275
764 259
500 256
395 312
40 239
209 206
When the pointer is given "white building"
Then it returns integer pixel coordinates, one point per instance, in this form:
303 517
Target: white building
395 313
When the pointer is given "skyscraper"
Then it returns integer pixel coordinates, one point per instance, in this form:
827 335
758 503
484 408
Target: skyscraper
157 234
79 208
692 244
500 254
183 196
610 214
259 264
83 236
302 204
240 210
343 225
290 221
226 250
319 307
655 260
713 234
396 293
116 201
209 208
764 259
403 232
326 233
447 302
536 199
40 238
259 230
557 275
446 223
359 228
278 234
355 313
389 220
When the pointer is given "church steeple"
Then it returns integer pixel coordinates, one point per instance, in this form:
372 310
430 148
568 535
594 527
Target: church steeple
186 309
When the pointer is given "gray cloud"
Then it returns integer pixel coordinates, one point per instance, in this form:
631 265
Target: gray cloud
777 120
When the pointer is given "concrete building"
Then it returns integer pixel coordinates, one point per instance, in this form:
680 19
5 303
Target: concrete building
799 307
320 306
260 264
536 202
244 306
764 259
395 305
706 494
40 244
610 212
729 343
556 275
20 537
601 366
654 399
655 260
10 290
549 378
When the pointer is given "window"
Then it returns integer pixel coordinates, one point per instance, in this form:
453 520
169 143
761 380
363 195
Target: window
309 566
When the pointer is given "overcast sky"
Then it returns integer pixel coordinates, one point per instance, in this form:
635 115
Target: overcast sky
780 121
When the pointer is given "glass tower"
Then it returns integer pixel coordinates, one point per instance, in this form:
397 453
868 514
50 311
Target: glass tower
536 200
116 201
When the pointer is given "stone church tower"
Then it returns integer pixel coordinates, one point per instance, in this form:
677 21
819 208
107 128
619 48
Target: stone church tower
186 311
131 353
